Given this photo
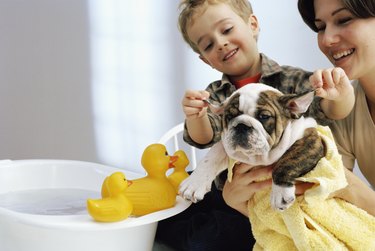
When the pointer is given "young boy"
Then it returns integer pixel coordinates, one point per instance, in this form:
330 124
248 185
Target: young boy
224 34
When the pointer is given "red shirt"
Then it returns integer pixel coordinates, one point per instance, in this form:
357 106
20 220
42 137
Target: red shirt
254 79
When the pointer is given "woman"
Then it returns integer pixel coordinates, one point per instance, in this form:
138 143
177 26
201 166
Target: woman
346 35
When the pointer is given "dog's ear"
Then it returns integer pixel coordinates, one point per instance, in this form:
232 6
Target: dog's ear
219 109
297 104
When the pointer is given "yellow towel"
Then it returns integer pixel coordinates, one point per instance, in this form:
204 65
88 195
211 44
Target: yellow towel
314 221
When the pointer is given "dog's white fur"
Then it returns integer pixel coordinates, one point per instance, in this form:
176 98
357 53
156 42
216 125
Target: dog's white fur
262 154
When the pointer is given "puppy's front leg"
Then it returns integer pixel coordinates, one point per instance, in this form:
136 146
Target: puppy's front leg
300 158
199 182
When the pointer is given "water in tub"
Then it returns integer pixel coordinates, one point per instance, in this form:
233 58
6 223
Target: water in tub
48 201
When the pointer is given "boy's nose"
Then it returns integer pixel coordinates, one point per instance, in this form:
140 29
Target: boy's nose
223 45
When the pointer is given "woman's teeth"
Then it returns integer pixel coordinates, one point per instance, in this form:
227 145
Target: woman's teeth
342 54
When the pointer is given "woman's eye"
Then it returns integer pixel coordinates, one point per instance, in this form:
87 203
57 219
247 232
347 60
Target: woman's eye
320 28
345 20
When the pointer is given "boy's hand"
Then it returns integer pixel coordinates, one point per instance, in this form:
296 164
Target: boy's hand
331 84
192 103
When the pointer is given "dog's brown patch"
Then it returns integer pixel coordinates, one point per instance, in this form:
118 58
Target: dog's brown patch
272 122
294 164
232 110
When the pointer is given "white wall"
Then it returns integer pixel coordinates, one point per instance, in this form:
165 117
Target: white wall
285 37
46 108
45 102
45 97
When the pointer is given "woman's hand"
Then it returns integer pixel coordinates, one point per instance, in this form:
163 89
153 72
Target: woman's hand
331 84
192 103
243 185
336 90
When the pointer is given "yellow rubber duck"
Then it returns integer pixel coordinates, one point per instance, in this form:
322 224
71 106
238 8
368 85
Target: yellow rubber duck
179 173
114 206
153 192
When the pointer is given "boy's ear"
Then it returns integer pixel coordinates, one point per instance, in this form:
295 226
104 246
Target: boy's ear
204 60
254 25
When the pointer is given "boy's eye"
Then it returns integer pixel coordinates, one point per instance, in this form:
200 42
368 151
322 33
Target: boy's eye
207 47
226 31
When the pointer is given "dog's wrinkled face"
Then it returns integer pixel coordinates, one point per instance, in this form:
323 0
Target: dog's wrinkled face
254 119
259 125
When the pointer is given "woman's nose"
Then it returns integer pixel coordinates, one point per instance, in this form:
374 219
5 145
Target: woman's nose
330 37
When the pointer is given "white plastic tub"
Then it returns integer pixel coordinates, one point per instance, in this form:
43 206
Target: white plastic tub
25 231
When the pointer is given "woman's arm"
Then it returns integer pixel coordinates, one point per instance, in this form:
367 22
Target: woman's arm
357 193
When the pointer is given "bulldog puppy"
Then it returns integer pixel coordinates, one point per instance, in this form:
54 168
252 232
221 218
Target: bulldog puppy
261 126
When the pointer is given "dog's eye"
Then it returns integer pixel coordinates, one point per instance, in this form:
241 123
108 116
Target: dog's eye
264 115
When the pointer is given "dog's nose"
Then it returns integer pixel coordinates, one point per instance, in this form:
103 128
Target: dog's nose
242 128
240 136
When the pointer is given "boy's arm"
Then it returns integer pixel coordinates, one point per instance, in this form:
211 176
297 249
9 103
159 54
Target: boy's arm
200 129
196 119
336 90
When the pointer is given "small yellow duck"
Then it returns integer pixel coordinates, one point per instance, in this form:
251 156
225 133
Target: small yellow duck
153 192
114 205
179 173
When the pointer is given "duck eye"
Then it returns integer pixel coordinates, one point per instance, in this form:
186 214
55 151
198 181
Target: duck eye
166 153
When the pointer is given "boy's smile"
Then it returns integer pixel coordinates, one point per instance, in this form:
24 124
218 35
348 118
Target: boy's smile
230 54
225 41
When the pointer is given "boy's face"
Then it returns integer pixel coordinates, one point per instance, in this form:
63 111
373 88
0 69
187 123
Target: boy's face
226 42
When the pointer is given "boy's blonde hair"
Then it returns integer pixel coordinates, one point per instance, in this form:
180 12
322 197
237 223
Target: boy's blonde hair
190 8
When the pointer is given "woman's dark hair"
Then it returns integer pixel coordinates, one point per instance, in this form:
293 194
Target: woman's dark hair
359 8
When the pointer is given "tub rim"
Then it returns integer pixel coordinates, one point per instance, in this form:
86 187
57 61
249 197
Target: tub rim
84 222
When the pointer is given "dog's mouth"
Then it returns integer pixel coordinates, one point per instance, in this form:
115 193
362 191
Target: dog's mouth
245 137
241 134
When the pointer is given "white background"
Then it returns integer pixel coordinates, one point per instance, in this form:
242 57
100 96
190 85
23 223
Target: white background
100 80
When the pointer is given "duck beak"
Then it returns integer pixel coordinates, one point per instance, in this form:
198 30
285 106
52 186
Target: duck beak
129 183
172 160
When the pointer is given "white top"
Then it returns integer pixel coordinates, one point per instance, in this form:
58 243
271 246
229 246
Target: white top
355 136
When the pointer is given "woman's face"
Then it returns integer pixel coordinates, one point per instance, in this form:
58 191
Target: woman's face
347 41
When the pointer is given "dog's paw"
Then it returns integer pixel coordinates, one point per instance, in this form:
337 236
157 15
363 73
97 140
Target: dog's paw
194 188
282 197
